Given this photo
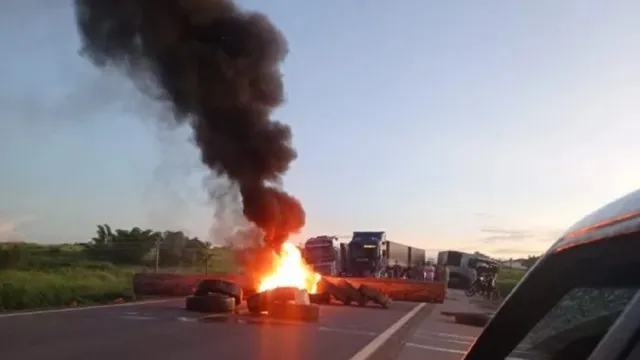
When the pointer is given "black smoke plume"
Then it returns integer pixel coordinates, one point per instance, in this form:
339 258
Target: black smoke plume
218 66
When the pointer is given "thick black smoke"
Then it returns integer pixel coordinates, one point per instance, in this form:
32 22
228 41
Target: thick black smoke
219 68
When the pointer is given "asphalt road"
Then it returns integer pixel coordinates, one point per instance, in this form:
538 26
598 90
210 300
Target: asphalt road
438 337
165 331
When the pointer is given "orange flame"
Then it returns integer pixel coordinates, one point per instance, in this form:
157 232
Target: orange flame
290 270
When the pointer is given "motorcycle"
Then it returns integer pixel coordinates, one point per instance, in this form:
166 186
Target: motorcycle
482 286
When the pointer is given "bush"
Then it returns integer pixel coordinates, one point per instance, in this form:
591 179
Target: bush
33 289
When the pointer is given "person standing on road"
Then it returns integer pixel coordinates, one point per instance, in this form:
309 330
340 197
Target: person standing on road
443 274
418 273
429 272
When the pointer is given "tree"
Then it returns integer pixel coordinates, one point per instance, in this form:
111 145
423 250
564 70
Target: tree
122 246
530 261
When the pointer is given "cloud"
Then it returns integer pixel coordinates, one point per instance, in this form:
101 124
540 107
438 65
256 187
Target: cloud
9 229
497 234
518 235
516 251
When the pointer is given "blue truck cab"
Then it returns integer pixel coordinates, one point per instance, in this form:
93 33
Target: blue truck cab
366 253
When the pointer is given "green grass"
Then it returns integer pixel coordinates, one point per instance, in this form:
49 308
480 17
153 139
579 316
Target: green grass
508 279
44 276
24 289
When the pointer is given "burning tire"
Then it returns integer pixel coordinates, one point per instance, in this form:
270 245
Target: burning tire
291 311
257 303
320 298
375 296
210 303
282 294
216 286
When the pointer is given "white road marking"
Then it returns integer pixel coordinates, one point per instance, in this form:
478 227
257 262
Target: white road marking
435 348
187 319
447 335
376 343
440 339
81 308
347 331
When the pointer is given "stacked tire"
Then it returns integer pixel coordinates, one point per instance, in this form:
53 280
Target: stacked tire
280 303
214 296
347 294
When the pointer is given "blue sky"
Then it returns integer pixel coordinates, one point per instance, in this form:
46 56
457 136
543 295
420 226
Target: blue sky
486 126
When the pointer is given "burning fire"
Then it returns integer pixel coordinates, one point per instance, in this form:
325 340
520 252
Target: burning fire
290 270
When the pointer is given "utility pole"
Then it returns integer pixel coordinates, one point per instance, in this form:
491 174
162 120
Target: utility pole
157 254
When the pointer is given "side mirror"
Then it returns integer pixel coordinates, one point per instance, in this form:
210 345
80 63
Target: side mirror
384 253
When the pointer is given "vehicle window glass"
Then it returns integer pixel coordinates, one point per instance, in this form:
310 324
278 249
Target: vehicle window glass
574 326
454 259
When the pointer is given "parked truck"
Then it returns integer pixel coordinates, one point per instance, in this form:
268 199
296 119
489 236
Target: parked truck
462 266
370 253
325 254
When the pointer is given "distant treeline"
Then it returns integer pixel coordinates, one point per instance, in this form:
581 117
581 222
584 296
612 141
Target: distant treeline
136 247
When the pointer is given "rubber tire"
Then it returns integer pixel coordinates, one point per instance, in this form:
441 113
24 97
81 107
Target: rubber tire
295 312
320 298
472 290
353 293
337 292
211 303
375 296
217 286
257 303
282 294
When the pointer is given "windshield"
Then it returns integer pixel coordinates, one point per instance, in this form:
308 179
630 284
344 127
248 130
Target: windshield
314 255
576 323
361 250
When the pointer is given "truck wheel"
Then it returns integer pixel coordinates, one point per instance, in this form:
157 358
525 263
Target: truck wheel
216 286
291 311
211 303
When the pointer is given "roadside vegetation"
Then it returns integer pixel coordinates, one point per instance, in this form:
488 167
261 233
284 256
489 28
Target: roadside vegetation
508 279
99 271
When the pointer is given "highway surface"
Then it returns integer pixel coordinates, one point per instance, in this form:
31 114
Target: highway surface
162 330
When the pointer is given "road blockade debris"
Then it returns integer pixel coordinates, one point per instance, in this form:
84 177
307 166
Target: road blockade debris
293 311
151 284
259 302
353 293
476 319
218 286
375 296
210 303
320 298
335 291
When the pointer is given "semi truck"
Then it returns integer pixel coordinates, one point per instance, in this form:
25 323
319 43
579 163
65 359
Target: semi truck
462 266
325 254
371 254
